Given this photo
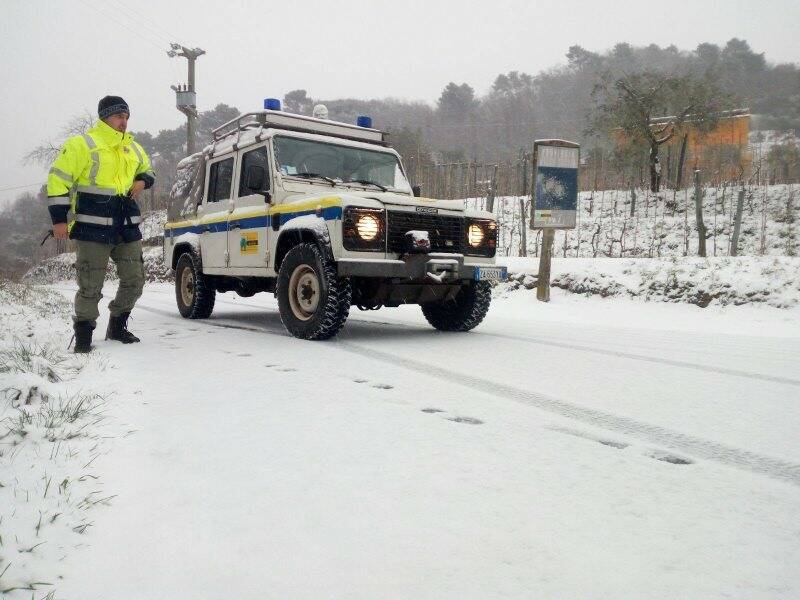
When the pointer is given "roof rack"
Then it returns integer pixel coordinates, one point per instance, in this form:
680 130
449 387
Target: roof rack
263 119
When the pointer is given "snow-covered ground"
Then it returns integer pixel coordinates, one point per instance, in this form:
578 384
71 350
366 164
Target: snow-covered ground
713 281
586 448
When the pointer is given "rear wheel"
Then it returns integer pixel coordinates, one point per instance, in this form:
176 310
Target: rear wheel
314 301
193 291
462 313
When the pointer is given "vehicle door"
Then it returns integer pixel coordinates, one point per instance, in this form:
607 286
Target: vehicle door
247 224
213 212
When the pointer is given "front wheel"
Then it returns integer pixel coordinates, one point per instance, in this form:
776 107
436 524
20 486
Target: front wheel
314 301
194 293
462 313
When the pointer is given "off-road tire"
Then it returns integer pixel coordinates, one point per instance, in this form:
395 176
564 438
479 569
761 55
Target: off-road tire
306 264
464 312
193 291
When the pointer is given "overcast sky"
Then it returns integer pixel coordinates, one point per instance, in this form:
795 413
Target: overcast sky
60 56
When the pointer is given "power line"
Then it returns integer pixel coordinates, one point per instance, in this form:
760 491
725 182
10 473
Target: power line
96 11
145 21
150 40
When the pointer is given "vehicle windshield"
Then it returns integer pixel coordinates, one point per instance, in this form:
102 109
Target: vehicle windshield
342 164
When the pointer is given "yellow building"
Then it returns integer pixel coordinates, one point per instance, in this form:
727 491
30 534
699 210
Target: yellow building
721 153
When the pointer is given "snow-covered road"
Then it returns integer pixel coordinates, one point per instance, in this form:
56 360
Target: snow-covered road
586 448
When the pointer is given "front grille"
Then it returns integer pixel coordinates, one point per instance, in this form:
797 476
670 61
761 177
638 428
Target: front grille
446 233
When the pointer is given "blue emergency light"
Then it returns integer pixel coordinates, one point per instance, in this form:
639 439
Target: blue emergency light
364 121
272 104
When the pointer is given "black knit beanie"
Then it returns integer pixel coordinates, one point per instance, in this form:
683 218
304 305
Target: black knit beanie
111 105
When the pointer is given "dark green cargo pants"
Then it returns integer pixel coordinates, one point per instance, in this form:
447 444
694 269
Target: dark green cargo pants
92 259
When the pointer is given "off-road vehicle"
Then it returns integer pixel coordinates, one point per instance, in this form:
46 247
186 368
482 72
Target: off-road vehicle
321 214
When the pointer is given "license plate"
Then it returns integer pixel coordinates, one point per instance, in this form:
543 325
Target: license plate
491 273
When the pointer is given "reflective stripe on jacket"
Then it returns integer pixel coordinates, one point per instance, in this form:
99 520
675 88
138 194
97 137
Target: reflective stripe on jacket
92 176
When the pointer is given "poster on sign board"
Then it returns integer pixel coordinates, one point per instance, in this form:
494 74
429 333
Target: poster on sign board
556 188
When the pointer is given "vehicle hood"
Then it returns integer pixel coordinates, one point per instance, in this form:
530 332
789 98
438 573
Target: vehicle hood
404 200
366 198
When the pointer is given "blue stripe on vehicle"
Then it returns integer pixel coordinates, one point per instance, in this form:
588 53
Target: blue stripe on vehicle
328 214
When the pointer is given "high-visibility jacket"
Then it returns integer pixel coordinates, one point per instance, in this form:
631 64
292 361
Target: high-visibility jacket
92 176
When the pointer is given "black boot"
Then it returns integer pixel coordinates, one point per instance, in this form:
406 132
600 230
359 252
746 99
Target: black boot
118 329
83 336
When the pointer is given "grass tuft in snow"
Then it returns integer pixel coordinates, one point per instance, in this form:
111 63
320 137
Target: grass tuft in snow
40 359
49 440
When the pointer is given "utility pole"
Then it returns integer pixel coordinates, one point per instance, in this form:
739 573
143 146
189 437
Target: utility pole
186 95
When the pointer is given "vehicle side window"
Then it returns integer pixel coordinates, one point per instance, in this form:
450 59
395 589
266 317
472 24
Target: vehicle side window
258 158
219 180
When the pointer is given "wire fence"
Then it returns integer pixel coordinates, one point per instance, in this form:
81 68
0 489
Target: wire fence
634 222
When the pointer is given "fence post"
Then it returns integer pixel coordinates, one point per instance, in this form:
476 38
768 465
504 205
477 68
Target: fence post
737 223
523 242
698 213
492 186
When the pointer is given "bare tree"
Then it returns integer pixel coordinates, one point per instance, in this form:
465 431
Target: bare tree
45 153
631 105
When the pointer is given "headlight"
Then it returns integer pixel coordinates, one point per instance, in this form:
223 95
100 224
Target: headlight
363 229
481 237
475 235
368 227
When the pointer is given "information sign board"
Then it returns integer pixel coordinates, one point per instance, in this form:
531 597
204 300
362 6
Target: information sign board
556 188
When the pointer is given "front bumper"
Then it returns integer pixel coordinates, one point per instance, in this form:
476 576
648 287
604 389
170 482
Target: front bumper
433 267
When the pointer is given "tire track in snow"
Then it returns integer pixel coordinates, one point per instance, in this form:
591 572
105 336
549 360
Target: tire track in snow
594 350
695 446
698 447
583 348
652 359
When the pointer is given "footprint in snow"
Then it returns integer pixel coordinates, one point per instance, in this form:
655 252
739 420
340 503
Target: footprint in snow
243 354
286 369
359 380
670 458
469 420
432 410
383 386
613 444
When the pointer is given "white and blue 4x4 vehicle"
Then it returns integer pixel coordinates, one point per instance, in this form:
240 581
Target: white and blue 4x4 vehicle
321 214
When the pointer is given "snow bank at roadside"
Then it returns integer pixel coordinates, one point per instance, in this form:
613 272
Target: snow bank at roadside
774 281
770 280
51 430
62 268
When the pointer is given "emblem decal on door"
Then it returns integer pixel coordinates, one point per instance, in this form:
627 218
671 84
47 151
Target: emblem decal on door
248 244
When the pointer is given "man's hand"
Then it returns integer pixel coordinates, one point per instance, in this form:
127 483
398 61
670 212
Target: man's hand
137 188
60 231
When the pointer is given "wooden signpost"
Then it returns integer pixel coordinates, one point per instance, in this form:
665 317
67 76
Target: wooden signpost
555 199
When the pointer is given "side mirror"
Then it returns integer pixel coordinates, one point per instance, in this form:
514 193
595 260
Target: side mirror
416 190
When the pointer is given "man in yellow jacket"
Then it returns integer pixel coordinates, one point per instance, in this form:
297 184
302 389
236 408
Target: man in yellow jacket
98 176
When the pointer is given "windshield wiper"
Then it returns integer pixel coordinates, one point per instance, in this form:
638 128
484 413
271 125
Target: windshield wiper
383 188
314 176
